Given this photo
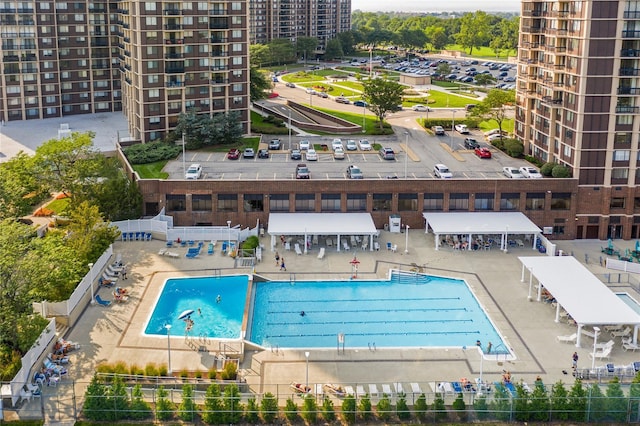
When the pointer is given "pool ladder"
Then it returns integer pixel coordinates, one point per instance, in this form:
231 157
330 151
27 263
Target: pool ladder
292 279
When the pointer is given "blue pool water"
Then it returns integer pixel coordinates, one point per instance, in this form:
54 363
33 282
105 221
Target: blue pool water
411 311
630 301
406 311
222 320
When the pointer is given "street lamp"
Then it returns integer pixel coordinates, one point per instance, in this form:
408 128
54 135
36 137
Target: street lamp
306 354
168 327
184 159
406 152
91 282
229 235
453 125
364 118
596 331
289 128
406 239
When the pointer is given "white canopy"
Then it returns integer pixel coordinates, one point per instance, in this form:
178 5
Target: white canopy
578 291
338 224
480 223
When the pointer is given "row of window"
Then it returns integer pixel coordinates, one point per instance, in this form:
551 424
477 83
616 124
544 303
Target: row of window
358 202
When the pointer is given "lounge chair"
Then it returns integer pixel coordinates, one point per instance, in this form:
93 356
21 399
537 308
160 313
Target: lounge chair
171 254
348 390
210 248
100 301
105 283
296 247
161 252
346 246
394 248
398 387
388 245
360 391
604 345
109 277
602 354
25 395
299 388
386 390
630 346
56 369
415 388
376 246
457 387
621 333
334 389
321 253
58 359
445 388
120 298
68 345
373 390
329 242
571 338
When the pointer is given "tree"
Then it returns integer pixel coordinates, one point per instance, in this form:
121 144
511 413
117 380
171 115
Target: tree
328 411
89 235
616 402
383 96
401 407
305 46
597 403
117 400
634 397
347 41
95 401
474 30
269 408
251 413
559 402
421 407
437 37
20 188
259 54
202 130
333 50
578 402
259 84
560 171
139 409
485 79
438 408
539 403
349 409
282 51
291 410
187 408
460 407
481 407
384 409
500 405
164 407
309 409
494 106
505 35
444 68
232 406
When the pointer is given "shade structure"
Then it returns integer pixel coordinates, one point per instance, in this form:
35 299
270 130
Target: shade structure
186 314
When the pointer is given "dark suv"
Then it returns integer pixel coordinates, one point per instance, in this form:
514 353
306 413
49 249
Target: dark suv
471 143
302 172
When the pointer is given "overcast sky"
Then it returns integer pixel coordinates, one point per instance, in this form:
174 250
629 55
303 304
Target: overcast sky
427 6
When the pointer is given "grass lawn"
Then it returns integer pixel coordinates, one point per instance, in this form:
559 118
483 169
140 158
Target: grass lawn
372 127
331 89
482 53
507 125
58 206
354 85
438 99
301 77
151 170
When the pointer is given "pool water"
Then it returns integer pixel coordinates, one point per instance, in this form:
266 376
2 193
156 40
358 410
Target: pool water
630 301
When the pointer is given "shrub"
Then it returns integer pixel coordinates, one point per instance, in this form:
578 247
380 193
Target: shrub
251 413
183 374
230 371
420 407
514 148
212 373
117 400
291 410
384 408
439 409
546 169
616 402
151 369
533 160
164 407
163 370
364 408
481 408
577 402
498 144
150 152
349 409
269 408
104 367
402 408
95 402
278 122
139 409
134 370
560 171
460 407
328 411
213 407
232 407
309 409
198 374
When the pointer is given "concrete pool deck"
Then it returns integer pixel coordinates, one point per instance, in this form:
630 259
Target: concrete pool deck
111 334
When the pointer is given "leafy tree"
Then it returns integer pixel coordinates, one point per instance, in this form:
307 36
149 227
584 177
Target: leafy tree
89 236
521 404
309 409
306 46
578 402
364 408
494 106
437 37
328 410
333 50
513 147
291 410
559 402
481 407
421 408
597 404
95 401
444 68
383 96
347 42
616 401
547 169
539 403
232 406
384 408
259 54
269 408
412 38
401 407
485 79
438 408
500 405
505 35
259 84
349 409
20 188
203 130
634 397
150 152
251 413
164 407
282 51
460 407
187 408
474 30
560 171
139 409
117 400
213 412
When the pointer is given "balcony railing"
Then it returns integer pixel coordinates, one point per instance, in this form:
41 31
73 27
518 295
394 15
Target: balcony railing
174 84
630 53
625 109
173 55
173 27
219 67
217 12
631 34
172 11
219 81
174 41
629 71
219 53
628 90
218 39
173 70
631 14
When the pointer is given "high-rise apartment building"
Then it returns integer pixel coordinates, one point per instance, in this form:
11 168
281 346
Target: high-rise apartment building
290 19
150 59
578 104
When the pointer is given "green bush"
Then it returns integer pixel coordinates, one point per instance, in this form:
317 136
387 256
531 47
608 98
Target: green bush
213 412
384 408
309 409
251 413
364 408
291 410
439 409
164 407
328 411
117 400
349 409
151 369
402 408
498 144
460 407
560 171
481 408
421 408
230 371
232 407
514 148
212 373
533 160
547 169
95 402
269 408
150 152
275 121
139 409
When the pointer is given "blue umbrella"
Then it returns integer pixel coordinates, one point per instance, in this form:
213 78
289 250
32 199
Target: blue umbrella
637 245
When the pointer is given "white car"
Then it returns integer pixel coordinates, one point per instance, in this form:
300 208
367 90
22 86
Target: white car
364 145
352 145
311 155
442 171
304 145
338 154
512 172
495 137
336 143
462 129
421 108
193 172
530 172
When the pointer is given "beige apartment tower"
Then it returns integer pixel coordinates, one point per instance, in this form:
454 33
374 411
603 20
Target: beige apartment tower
150 59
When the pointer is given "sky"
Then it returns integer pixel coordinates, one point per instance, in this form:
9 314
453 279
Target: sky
428 6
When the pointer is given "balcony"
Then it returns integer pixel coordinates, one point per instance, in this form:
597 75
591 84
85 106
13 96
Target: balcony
30 57
218 24
628 90
7 10
174 70
219 68
217 12
29 70
631 14
626 109
551 101
217 81
10 58
173 27
631 34
627 72
630 53
122 11
174 84
220 53
97 9
219 40
173 55
172 11
174 41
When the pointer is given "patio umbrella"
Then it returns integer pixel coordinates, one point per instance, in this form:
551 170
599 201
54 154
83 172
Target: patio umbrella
186 314
637 245
610 243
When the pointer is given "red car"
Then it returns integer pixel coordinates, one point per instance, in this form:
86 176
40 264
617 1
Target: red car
234 154
483 152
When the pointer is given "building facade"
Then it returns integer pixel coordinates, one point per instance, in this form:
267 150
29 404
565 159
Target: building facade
578 103
290 19
150 59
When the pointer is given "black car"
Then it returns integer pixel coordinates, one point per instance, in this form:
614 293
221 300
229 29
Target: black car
296 154
275 144
263 153
290 85
471 143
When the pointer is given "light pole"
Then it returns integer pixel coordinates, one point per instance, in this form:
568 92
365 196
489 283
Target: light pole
406 239
364 118
406 152
453 125
370 62
289 128
310 98
168 327
91 282
229 235
596 331
306 354
184 160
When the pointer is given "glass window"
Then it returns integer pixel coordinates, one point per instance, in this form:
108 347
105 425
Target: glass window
201 202
330 203
619 173
227 202
621 155
510 201
381 202
253 202
617 203
305 202
356 202
561 201
176 203
483 202
432 202
535 201
459 202
279 202
408 202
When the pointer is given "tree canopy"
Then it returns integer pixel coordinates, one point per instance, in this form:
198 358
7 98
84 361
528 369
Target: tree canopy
383 96
494 106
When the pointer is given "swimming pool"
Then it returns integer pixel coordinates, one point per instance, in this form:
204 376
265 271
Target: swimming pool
630 301
407 310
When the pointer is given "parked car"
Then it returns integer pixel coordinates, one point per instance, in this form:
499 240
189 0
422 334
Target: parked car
509 79
233 154
494 137
322 95
530 172
438 130
471 143
421 108
296 154
304 145
483 152
364 145
338 154
275 144
193 172
360 104
342 100
263 153
469 107
302 172
493 132
290 85
248 153
311 155
512 172
462 129
336 143
387 154
352 145
441 171
353 172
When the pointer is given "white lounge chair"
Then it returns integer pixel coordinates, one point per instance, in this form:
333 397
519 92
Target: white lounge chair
571 338
602 354
296 247
360 391
329 242
386 390
376 246
398 387
621 333
321 253
394 248
445 387
349 390
373 390
604 345
345 245
630 346
415 388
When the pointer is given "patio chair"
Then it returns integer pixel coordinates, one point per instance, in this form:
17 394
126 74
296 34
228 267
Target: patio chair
376 246
100 301
388 245
373 389
348 390
398 387
571 338
602 354
622 333
386 390
321 253
415 388
394 248
346 246
630 346
296 246
329 242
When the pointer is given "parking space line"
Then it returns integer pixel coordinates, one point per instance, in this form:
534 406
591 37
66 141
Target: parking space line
454 154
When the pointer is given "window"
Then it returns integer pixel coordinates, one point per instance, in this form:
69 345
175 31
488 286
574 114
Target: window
201 203
510 201
153 78
561 201
236 47
621 155
382 202
558 229
236 5
227 202
619 173
154 93
279 202
149 6
305 202
253 203
535 201
152 65
458 202
176 203
238 60
330 202
617 203
483 202
408 202
356 202
624 119
623 138
236 34
432 202
151 20
237 87
236 20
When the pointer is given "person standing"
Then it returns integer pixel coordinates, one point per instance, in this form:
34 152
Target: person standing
277 258
574 360
282 266
124 272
